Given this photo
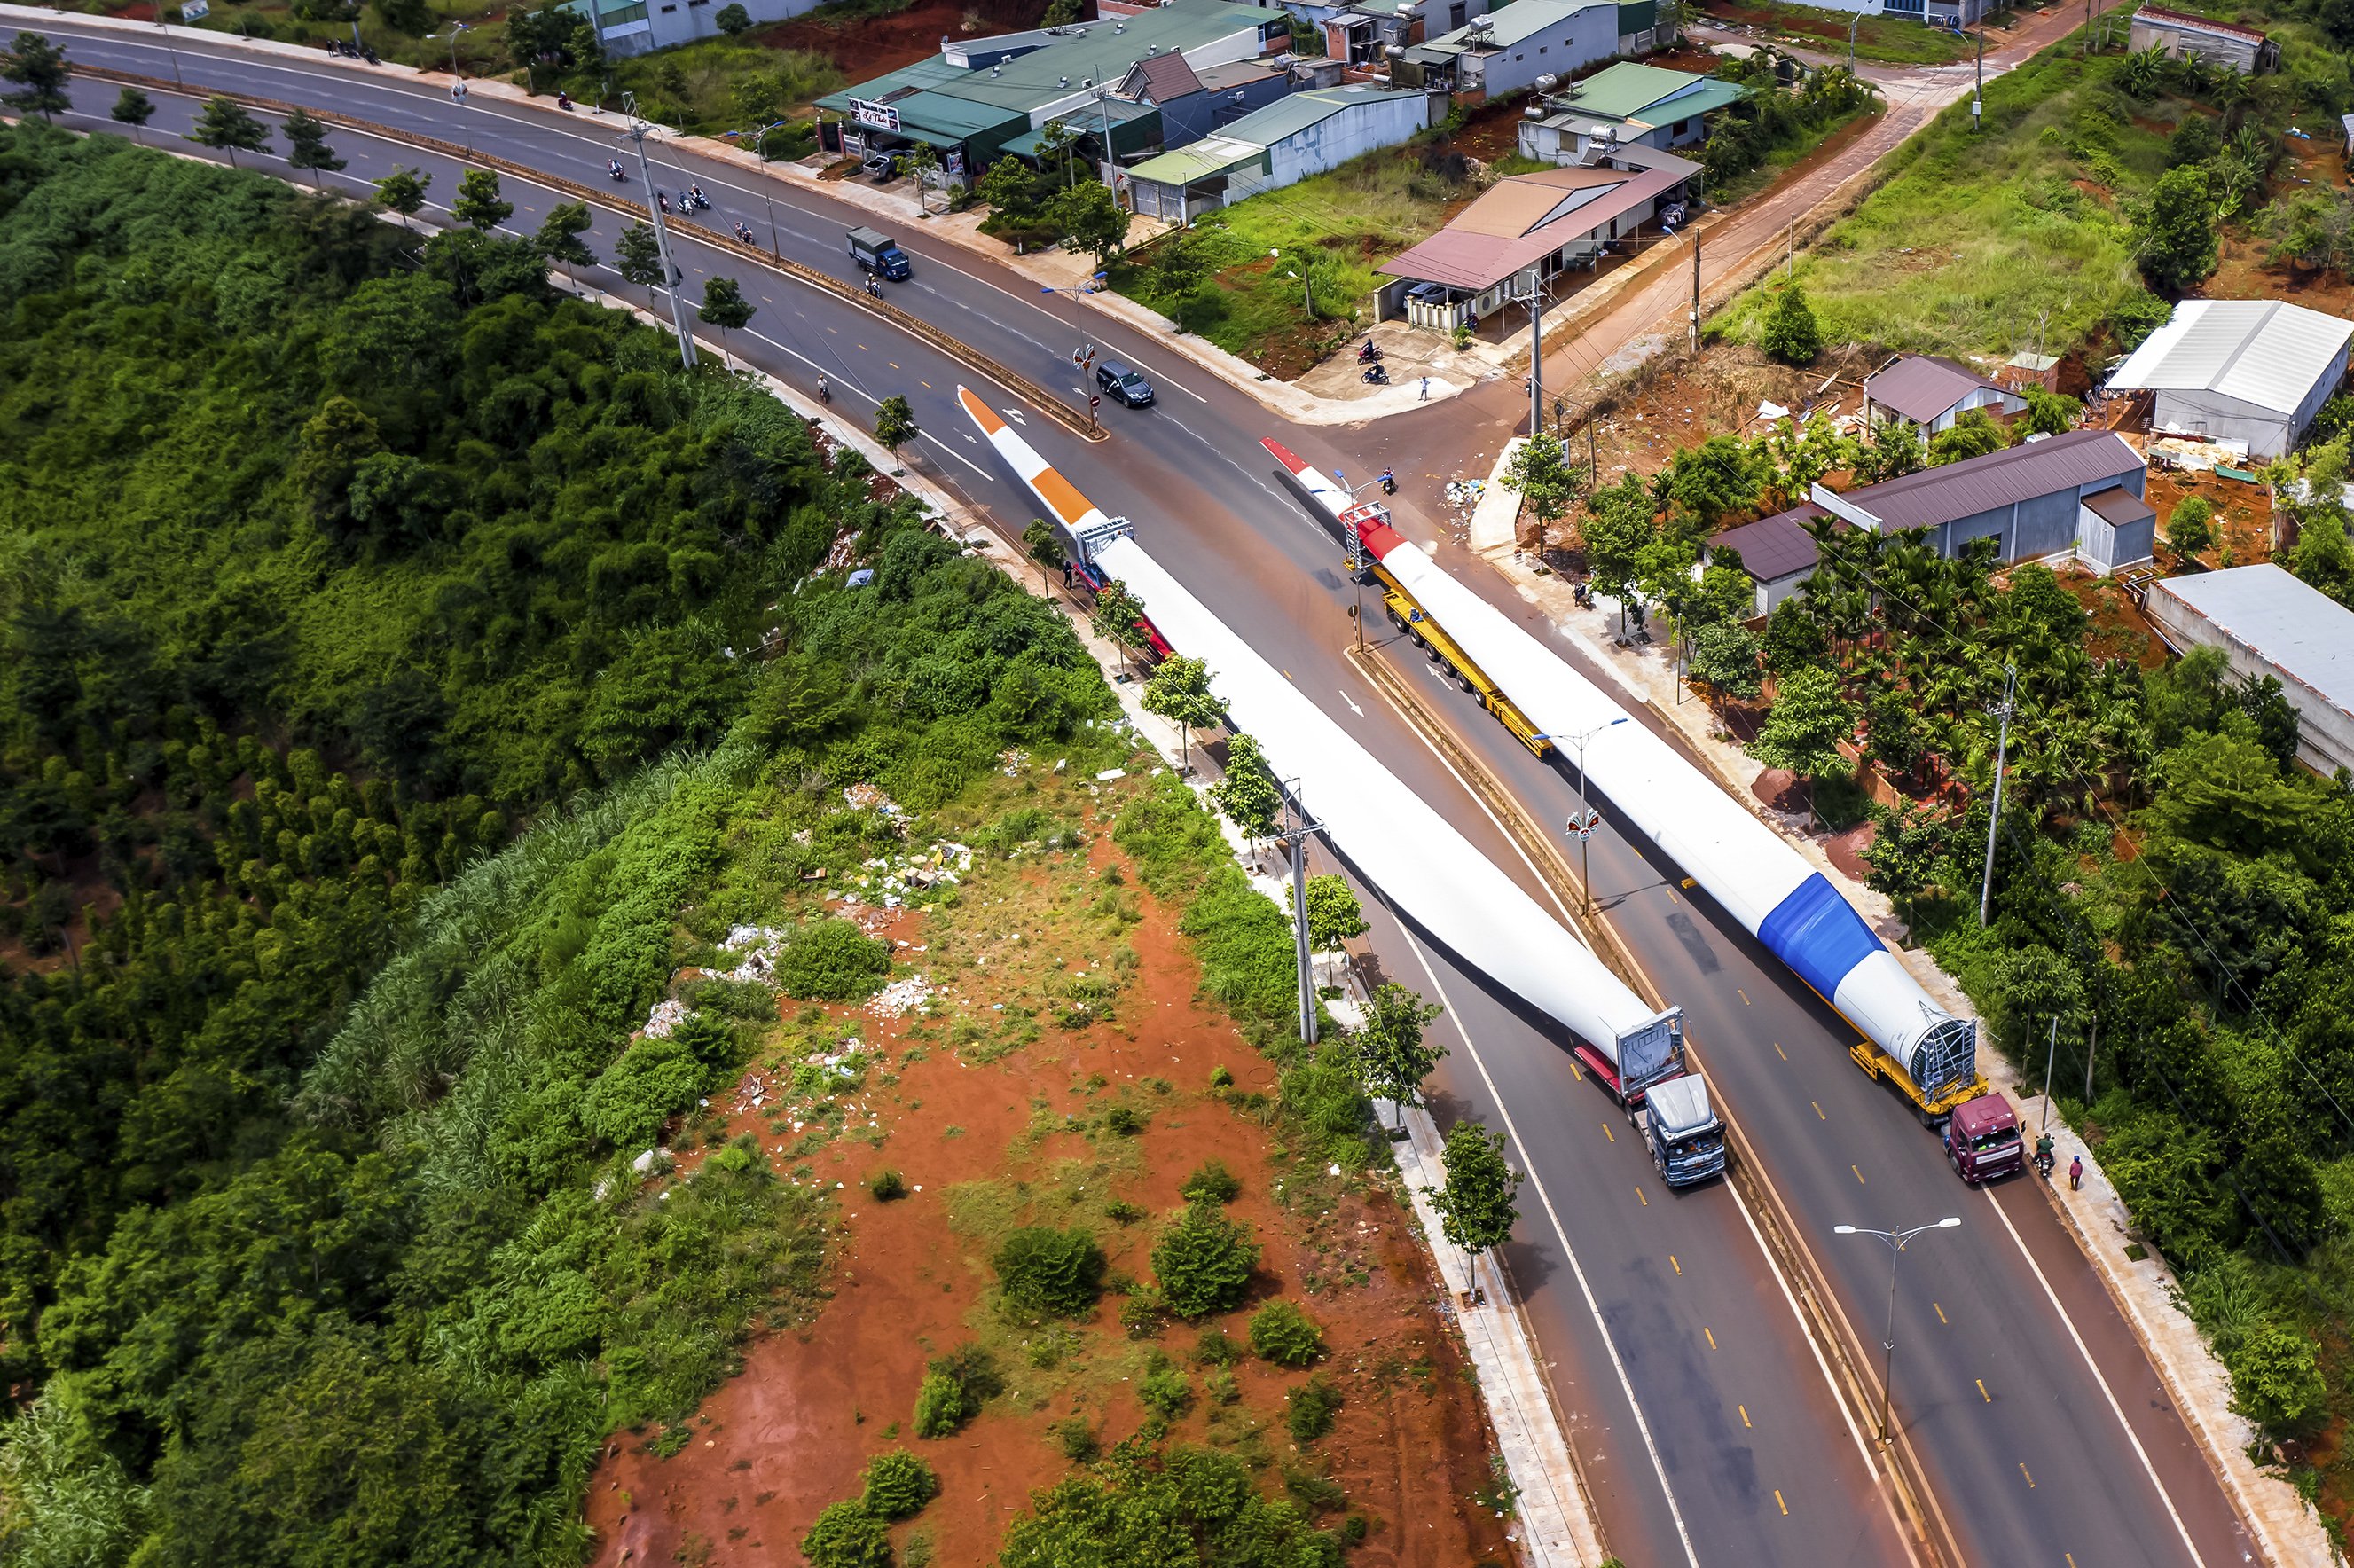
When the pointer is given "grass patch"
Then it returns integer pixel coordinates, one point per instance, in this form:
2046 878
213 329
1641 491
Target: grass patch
1888 39
1977 238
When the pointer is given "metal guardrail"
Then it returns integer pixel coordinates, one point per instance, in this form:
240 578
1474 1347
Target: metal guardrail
1021 385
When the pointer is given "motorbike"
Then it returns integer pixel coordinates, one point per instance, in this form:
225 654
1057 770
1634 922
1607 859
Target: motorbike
613 168
1375 375
662 200
369 55
695 200
824 391
564 101
2044 1159
1369 352
744 233
874 285
1389 483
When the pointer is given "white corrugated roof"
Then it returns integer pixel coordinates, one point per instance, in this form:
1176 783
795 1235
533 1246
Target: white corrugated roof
2259 351
2298 628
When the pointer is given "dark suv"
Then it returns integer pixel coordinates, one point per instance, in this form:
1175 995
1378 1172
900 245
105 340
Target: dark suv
1118 381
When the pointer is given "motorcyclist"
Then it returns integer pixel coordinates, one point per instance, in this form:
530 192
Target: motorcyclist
1389 483
661 200
563 100
2044 1156
824 390
743 231
696 193
613 168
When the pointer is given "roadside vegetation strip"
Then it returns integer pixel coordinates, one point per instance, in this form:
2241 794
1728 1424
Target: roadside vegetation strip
1887 38
1013 381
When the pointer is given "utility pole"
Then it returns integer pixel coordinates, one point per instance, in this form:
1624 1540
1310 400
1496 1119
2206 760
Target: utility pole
1695 306
2003 711
2090 1047
2051 1060
1852 25
166 28
1295 839
670 274
1593 463
1536 351
1978 92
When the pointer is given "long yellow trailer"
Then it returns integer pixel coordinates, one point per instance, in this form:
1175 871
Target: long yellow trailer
1411 618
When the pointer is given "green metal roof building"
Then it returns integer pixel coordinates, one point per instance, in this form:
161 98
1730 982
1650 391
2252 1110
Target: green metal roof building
980 98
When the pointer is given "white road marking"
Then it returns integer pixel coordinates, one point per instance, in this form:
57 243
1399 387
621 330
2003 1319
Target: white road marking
1353 704
2114 1408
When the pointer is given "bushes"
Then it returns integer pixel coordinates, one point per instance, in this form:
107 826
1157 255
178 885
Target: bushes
1047 1270
2276 1381
1203 1261
955 1387
1280 1332
886 1186
831 960
847 1536
1310 1409
899 1485
652 1080
1211 1182
1165 1389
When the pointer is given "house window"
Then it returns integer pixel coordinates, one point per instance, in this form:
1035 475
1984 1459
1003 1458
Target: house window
1682 126
1540 49
1455 15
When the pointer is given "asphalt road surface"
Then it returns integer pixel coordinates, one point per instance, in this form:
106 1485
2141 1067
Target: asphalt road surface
1707 1429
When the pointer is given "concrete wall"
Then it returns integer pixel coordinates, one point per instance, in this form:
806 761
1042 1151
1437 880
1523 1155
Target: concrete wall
2233 54
1332 141
2325 731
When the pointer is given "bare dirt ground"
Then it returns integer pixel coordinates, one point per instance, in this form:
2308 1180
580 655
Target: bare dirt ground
987 1129
1677 401
867 46
2243 516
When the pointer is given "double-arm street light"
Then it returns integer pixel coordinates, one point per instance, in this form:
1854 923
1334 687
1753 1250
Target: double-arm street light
1583 824
1896 1240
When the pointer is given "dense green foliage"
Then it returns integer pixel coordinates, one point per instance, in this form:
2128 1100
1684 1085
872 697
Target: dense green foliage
897 1484
1280 1332
1188 1506
325 1236
1046 1270
954 1389
1202 1261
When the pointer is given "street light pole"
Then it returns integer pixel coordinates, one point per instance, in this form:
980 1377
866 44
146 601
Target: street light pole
637 133
1295 840
2001 750
1583 824
164 27
1896 1240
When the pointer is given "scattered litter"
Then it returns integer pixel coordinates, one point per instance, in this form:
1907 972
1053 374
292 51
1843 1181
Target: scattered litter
1769 411
867 797
667 1016
649 1160
760 944
1465 491
1013 760
900 997
1108 774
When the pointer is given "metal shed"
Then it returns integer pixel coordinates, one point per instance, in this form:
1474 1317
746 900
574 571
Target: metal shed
2272 624
2250 370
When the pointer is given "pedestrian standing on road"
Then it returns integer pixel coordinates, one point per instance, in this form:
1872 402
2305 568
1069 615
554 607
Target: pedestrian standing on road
1066 576
1425 390
2075 1172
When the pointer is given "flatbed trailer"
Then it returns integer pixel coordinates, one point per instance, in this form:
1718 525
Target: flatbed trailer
1410 618
1932 1111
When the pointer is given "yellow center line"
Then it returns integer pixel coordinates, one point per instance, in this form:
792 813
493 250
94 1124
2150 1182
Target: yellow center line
1859 1176
1712 1338
1608 1133
1982 1393
1581 1078
1745 1002
1779 1051
1640 1198
1745 1415
2071 1557
2030 1480
1780 1504
1941 1316
1818 1110
1677 1266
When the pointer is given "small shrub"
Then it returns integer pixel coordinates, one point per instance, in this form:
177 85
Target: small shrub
1211 1182
1124 1122
832 959
1280 1332
1221 1386
1215 1349
1165 1391
847 1536
1310 1409
1316 1494
1076 1439
955 1387
1221 1076
899 1485
1121 1212
1047 1270
1144 1316
887 1186
1203 1261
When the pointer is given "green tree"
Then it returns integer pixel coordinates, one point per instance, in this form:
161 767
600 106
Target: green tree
1202 1261
1621 525
1394 1052
1334 915
894 426
551 35
1892 451
1725 659
1046 1270
636 256
731 19
479 202
1972 434
2174 231
225 126
1090 219
1908 857
1118 618
1793 641
2276 1381
403 191
724 307
1476 1208
1042 544
1715 479
411 19
922 161
37 65
2048 413
1810 716
133 108
306 144
2323 558
1010 187
2190 530
1791 334
1280 1332
1247 796
1548 486
896 1483
1055 139
559 234
1179 691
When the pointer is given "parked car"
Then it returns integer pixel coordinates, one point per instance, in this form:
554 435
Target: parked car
1118 381
879 166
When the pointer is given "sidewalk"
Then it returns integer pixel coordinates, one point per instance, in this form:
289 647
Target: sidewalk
2146 1290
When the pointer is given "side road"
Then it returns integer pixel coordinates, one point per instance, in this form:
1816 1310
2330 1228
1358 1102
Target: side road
2144 1290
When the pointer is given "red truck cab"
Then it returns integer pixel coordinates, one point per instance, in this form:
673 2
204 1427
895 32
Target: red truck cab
1982 1140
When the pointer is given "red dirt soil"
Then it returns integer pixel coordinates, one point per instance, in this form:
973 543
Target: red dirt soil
867 46
790 1434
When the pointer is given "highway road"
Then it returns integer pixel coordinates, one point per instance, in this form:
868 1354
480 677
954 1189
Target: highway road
1708 1431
